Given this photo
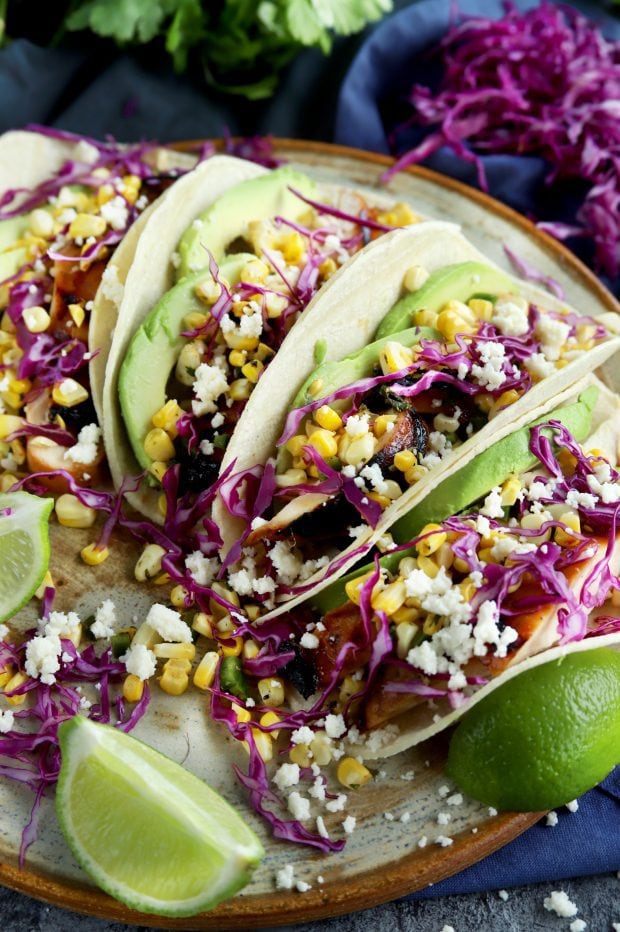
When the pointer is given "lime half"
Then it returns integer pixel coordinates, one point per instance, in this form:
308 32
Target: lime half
544 737
147 831
24 548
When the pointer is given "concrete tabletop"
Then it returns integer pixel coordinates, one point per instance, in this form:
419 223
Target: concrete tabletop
597 899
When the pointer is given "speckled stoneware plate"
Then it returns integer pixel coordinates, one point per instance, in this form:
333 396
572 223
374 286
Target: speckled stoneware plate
382 859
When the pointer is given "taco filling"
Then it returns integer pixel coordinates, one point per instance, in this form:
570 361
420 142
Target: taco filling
394 413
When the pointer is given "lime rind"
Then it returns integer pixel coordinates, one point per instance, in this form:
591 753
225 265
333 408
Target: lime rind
153 815
24 532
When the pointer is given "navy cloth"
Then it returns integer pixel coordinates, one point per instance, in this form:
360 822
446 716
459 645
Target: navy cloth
90 89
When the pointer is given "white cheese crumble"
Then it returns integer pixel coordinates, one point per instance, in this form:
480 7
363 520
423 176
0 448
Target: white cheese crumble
203 570
285 877
552 334
210 383
578 925
42 657
349 824
85 450
572 806
489 372
105 621
539 366
510 317
357 425
62 624
298 806
140 661
286 775
309 641
168 624
115 212
444 840
321 828
7 720
552 818
559 903
503 895
335 726
303 735
492 507
111 287
337 804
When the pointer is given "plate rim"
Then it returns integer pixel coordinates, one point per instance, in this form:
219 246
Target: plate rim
413 871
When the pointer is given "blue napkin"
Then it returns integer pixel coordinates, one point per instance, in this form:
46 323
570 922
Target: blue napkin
389 62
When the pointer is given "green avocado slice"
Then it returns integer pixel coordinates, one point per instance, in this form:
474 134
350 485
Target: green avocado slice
12 259
458 282
153 352
226 221
486 471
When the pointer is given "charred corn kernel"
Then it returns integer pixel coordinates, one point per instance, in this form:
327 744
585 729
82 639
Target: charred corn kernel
437 537
404 460
252 611
263 352
208 290
415 473
145 635
225 626
425 318
505 399
241 714
390 598
292 247
449 323
234 648
328 267
17 680
321 749
203 624
166 651
381 424
93 555
173 680
315 387
149 562
291 477
360 450
482 308
323 442
158 470
158 446
275 304
48 583
394 357
189 359
352 774
271 690
5 675
85 225
180 597
68 393
7 481
415 277
327 418
427 565
204 674
353 586
237 358
405 634
9 423
250 649
72 513
570 519
41 223
240 390
300 754
296 444
432 624
36 319
510 490
468 590
167 416
271 718
252 370
133 688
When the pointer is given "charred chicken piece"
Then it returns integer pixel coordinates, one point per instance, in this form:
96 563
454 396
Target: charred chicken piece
382 706
410 432
342 625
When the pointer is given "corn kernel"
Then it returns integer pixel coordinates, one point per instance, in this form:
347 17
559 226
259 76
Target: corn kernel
36 319
208 290
271 718
415 473
7 481
5 675
48 583
229 594
428 566
460 565
449 323
404 460
189 359
180 597
505 399
352 774
328 267
240 390
241 714
237 341
468 590
252 371
133 688
20 386
570 519
205 671
72 513
391 490
300 754
203 624
321 749
353 586
85 225
324 442
292 247
41 223
360 450
415 277
130 188
348 688
173 680
234 648
9 423
400 215
394 357
406 614
164 578
271 690
405 634
296 444
482 308
167 416
425 318
158 470
315 387
146 636
69 393
105 193
327 418
17 680
291 477
252 611
171 651
433 624
510 491
78 314
93 555
149 562
437 537
158 445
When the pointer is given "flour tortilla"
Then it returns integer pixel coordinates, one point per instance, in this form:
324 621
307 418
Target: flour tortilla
345 315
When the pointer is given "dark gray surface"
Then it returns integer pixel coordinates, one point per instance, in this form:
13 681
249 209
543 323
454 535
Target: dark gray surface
598 900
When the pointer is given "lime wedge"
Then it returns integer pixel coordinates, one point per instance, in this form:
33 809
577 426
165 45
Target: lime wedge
148 832
24 548
544 737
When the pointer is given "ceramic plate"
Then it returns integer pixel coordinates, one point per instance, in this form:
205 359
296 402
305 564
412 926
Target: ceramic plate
382 859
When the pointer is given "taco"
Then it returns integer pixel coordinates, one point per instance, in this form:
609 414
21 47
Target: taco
250 249
67 205
430 354
403 645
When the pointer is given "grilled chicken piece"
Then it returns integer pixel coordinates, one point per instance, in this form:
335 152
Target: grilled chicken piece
73 285
409 433
381 705
341 625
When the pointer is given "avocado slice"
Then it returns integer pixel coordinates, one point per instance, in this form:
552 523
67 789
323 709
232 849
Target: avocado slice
456 493
262 198
458 282
11 259
153 352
